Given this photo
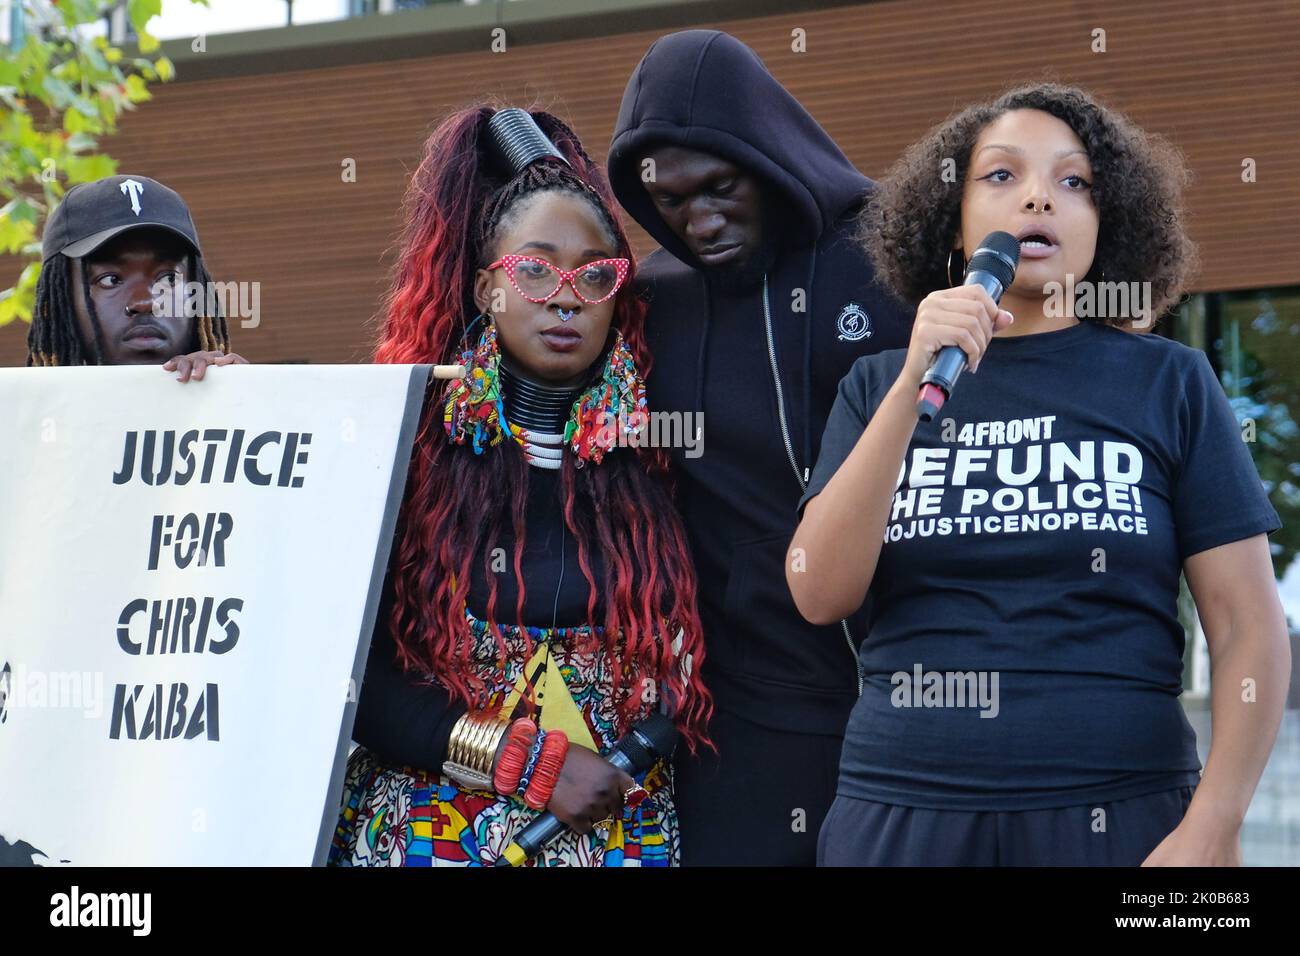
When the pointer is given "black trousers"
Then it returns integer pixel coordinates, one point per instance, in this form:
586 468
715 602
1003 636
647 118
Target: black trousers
1118 833
760 801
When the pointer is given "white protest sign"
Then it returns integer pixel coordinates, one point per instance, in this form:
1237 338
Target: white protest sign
188 578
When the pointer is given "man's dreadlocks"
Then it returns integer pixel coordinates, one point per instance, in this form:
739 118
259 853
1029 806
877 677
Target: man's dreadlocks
54 338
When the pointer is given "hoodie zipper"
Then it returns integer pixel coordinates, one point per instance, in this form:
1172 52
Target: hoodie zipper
789 451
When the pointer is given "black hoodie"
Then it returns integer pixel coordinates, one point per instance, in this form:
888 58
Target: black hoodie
705 90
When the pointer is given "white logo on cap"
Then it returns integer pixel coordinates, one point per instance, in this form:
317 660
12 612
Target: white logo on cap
133 189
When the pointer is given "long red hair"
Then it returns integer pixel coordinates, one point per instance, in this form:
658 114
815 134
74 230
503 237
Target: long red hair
458 504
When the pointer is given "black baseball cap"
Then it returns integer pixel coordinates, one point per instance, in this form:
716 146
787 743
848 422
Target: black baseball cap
93 213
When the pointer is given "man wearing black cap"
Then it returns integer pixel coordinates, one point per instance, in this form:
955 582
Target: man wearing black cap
761 301
117 255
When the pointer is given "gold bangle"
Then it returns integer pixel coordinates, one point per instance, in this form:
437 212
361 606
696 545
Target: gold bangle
474 741
474 752
453 742
466 739
473 731
474 745
492 731
499 729
456 747
471 749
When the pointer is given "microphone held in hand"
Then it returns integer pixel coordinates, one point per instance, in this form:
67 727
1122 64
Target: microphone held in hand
993 267
636 752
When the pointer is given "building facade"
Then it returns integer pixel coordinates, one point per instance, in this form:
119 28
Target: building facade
293 147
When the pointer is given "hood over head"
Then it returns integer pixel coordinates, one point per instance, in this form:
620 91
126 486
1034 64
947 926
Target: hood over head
705 90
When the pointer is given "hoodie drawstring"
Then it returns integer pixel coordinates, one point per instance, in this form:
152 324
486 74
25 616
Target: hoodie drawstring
807 356
807 365
704 350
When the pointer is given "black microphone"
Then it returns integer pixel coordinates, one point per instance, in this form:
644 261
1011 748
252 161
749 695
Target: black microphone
992 267
638 750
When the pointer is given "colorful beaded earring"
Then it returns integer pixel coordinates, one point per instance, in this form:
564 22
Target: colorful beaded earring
473 408
611 408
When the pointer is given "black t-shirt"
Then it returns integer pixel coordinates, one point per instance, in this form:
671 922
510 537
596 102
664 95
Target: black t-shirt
1024 648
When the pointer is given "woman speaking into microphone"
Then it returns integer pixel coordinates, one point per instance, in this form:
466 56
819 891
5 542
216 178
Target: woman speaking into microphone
1022 550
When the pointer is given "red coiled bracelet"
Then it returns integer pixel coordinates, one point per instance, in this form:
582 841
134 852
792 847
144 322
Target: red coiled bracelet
519 740
547 774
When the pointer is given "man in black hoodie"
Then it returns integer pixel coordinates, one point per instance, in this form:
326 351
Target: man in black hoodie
760 301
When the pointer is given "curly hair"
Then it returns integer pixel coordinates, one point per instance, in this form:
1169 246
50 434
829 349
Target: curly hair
909 222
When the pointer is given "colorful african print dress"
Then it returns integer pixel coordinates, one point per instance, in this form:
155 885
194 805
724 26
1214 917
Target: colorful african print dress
403 816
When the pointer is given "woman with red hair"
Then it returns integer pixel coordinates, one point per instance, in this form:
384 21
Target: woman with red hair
540 600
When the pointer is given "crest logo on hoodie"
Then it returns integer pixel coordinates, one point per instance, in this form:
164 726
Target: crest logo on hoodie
853 323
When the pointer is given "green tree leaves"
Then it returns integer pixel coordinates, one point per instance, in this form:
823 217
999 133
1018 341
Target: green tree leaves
62 91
